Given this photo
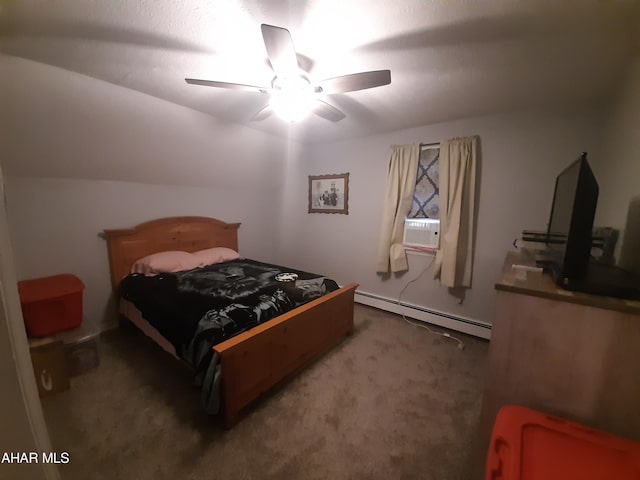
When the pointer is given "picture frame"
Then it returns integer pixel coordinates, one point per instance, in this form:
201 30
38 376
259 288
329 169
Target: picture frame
329 193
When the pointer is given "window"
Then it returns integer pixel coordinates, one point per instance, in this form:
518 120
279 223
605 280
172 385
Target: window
426 195
457 158
422 225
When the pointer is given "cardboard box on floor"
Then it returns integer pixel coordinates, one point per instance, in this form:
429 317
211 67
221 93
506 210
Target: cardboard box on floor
63 355
49 366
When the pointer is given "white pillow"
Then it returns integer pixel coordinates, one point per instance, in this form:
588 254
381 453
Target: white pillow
170 261
210 256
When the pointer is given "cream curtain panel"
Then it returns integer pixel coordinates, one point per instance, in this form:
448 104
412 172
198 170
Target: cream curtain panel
458 166
401 182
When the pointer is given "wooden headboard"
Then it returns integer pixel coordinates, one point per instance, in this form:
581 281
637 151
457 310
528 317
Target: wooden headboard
189 234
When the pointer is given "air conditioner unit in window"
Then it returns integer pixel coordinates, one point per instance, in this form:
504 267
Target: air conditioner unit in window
421 232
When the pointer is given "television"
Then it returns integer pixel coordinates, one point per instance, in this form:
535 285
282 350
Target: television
570 226
569 238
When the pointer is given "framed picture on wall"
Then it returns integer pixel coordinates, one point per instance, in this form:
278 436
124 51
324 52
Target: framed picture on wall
329 193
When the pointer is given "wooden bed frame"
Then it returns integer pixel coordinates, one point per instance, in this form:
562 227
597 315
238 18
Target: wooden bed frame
254 361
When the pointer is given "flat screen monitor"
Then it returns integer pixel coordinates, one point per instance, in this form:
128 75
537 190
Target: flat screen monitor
571 221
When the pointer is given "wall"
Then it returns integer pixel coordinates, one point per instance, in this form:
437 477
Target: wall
64 126
618 169
520 157
66 143
54 225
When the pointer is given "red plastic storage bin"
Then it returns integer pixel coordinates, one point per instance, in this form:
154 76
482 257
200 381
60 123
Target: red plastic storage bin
529 445
51 304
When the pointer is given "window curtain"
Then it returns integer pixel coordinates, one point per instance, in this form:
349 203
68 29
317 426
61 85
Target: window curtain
401 182
458 166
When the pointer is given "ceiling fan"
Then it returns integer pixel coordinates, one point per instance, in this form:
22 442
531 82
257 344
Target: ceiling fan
293 94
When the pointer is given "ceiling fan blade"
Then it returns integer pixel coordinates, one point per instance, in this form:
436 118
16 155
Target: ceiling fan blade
356 81
280 50
327 111
267 111
232 86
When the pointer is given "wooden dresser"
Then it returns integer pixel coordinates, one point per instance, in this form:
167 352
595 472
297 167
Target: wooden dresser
570 354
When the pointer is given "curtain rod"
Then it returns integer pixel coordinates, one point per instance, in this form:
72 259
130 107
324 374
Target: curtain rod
427 145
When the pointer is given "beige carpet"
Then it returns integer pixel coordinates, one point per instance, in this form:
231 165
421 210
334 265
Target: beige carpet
392 401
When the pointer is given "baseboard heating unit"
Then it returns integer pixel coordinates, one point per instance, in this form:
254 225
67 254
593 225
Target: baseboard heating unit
434 317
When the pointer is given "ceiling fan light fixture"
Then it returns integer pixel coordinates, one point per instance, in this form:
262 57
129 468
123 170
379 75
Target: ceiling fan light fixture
292 98
292 94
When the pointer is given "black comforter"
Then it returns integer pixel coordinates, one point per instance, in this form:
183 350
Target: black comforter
199 308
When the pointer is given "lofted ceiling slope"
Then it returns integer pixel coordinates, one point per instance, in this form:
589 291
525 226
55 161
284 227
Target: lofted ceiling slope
448 59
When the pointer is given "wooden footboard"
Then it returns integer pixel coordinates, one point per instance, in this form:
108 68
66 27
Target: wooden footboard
256 360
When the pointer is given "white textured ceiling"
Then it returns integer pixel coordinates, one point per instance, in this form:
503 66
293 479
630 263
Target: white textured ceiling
448 59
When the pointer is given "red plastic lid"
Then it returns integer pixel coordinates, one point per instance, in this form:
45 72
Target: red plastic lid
529 445
49 287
